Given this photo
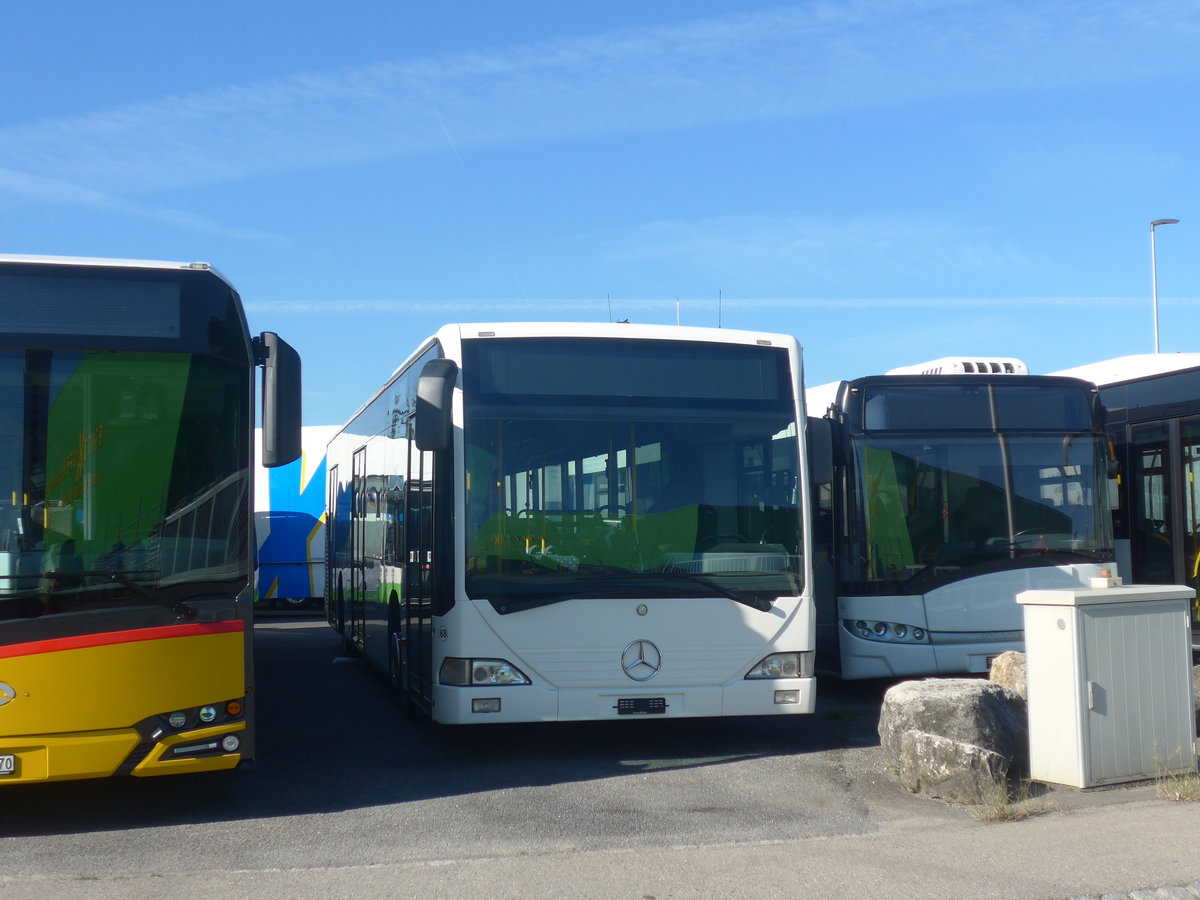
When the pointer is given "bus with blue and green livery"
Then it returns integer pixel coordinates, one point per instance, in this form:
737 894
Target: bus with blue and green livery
289 524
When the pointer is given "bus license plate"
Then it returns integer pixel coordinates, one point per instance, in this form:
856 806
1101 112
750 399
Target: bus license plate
641 706
8 764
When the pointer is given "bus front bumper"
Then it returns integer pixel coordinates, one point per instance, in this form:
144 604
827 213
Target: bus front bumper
945 655
101 754
535 703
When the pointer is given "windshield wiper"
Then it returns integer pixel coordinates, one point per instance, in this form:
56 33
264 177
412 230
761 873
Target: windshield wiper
999 557
921 573
1093 555
185 611
531 595
752 600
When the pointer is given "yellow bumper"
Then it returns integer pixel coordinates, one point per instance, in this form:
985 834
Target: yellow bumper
98 754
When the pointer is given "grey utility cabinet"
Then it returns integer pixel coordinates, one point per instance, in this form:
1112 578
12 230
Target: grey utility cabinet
1110 683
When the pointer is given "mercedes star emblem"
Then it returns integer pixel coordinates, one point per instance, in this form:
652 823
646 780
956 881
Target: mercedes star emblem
641 661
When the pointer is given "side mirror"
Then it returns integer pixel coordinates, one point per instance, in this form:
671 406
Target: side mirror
280 400
435 393
820 451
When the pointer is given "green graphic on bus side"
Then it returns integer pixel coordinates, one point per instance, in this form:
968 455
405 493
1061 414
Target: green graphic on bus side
890 547
110 448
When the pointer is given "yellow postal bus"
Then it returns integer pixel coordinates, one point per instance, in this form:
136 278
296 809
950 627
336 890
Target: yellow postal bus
126 545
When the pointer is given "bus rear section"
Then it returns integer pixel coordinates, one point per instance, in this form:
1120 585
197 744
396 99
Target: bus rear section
125 529
952 494
608 522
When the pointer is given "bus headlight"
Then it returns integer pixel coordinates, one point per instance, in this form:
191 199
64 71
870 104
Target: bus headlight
784 665
181 719
473 672
891 632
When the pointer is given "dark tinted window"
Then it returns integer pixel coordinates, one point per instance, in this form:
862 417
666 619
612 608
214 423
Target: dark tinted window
94 308
53 305
1167 396
579 369
976 407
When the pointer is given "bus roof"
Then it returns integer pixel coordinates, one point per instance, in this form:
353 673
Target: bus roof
836 395
104 262
458 331
616 330
1132 368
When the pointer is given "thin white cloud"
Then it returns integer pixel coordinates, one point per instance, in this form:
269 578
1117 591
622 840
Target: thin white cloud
817 250
20 184
564 305
796 61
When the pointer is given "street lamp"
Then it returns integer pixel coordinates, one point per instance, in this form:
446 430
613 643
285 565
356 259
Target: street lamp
1154 272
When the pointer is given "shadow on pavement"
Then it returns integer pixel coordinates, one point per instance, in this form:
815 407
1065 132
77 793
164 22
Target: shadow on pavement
332 737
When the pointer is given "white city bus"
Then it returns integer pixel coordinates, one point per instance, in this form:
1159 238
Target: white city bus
1152 404
547 522
952 494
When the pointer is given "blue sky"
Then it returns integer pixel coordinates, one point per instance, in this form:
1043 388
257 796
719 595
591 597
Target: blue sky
888 180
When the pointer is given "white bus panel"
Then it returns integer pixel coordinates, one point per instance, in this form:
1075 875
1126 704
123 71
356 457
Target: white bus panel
546 522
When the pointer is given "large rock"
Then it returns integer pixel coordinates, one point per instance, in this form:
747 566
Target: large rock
1196 695
1008 671
959 739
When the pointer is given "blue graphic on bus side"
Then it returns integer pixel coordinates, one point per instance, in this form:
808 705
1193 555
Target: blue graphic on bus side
290 557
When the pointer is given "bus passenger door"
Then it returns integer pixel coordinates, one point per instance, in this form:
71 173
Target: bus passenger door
358 542
1152 527
1189 445
416 607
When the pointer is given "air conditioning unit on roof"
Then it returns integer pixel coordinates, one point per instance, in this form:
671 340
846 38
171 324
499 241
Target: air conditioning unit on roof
962 365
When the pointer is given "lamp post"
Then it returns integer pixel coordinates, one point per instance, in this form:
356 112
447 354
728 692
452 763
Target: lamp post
1154 272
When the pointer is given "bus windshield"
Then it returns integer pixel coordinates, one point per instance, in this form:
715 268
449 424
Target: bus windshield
123 482
673 491
931 512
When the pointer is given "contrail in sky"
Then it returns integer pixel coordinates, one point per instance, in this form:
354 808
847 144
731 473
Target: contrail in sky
808 60
600 303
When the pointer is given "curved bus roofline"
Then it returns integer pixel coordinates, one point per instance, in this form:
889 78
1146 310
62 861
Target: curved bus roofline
108 263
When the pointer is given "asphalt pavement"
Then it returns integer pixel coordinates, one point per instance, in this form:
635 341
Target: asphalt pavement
349 799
